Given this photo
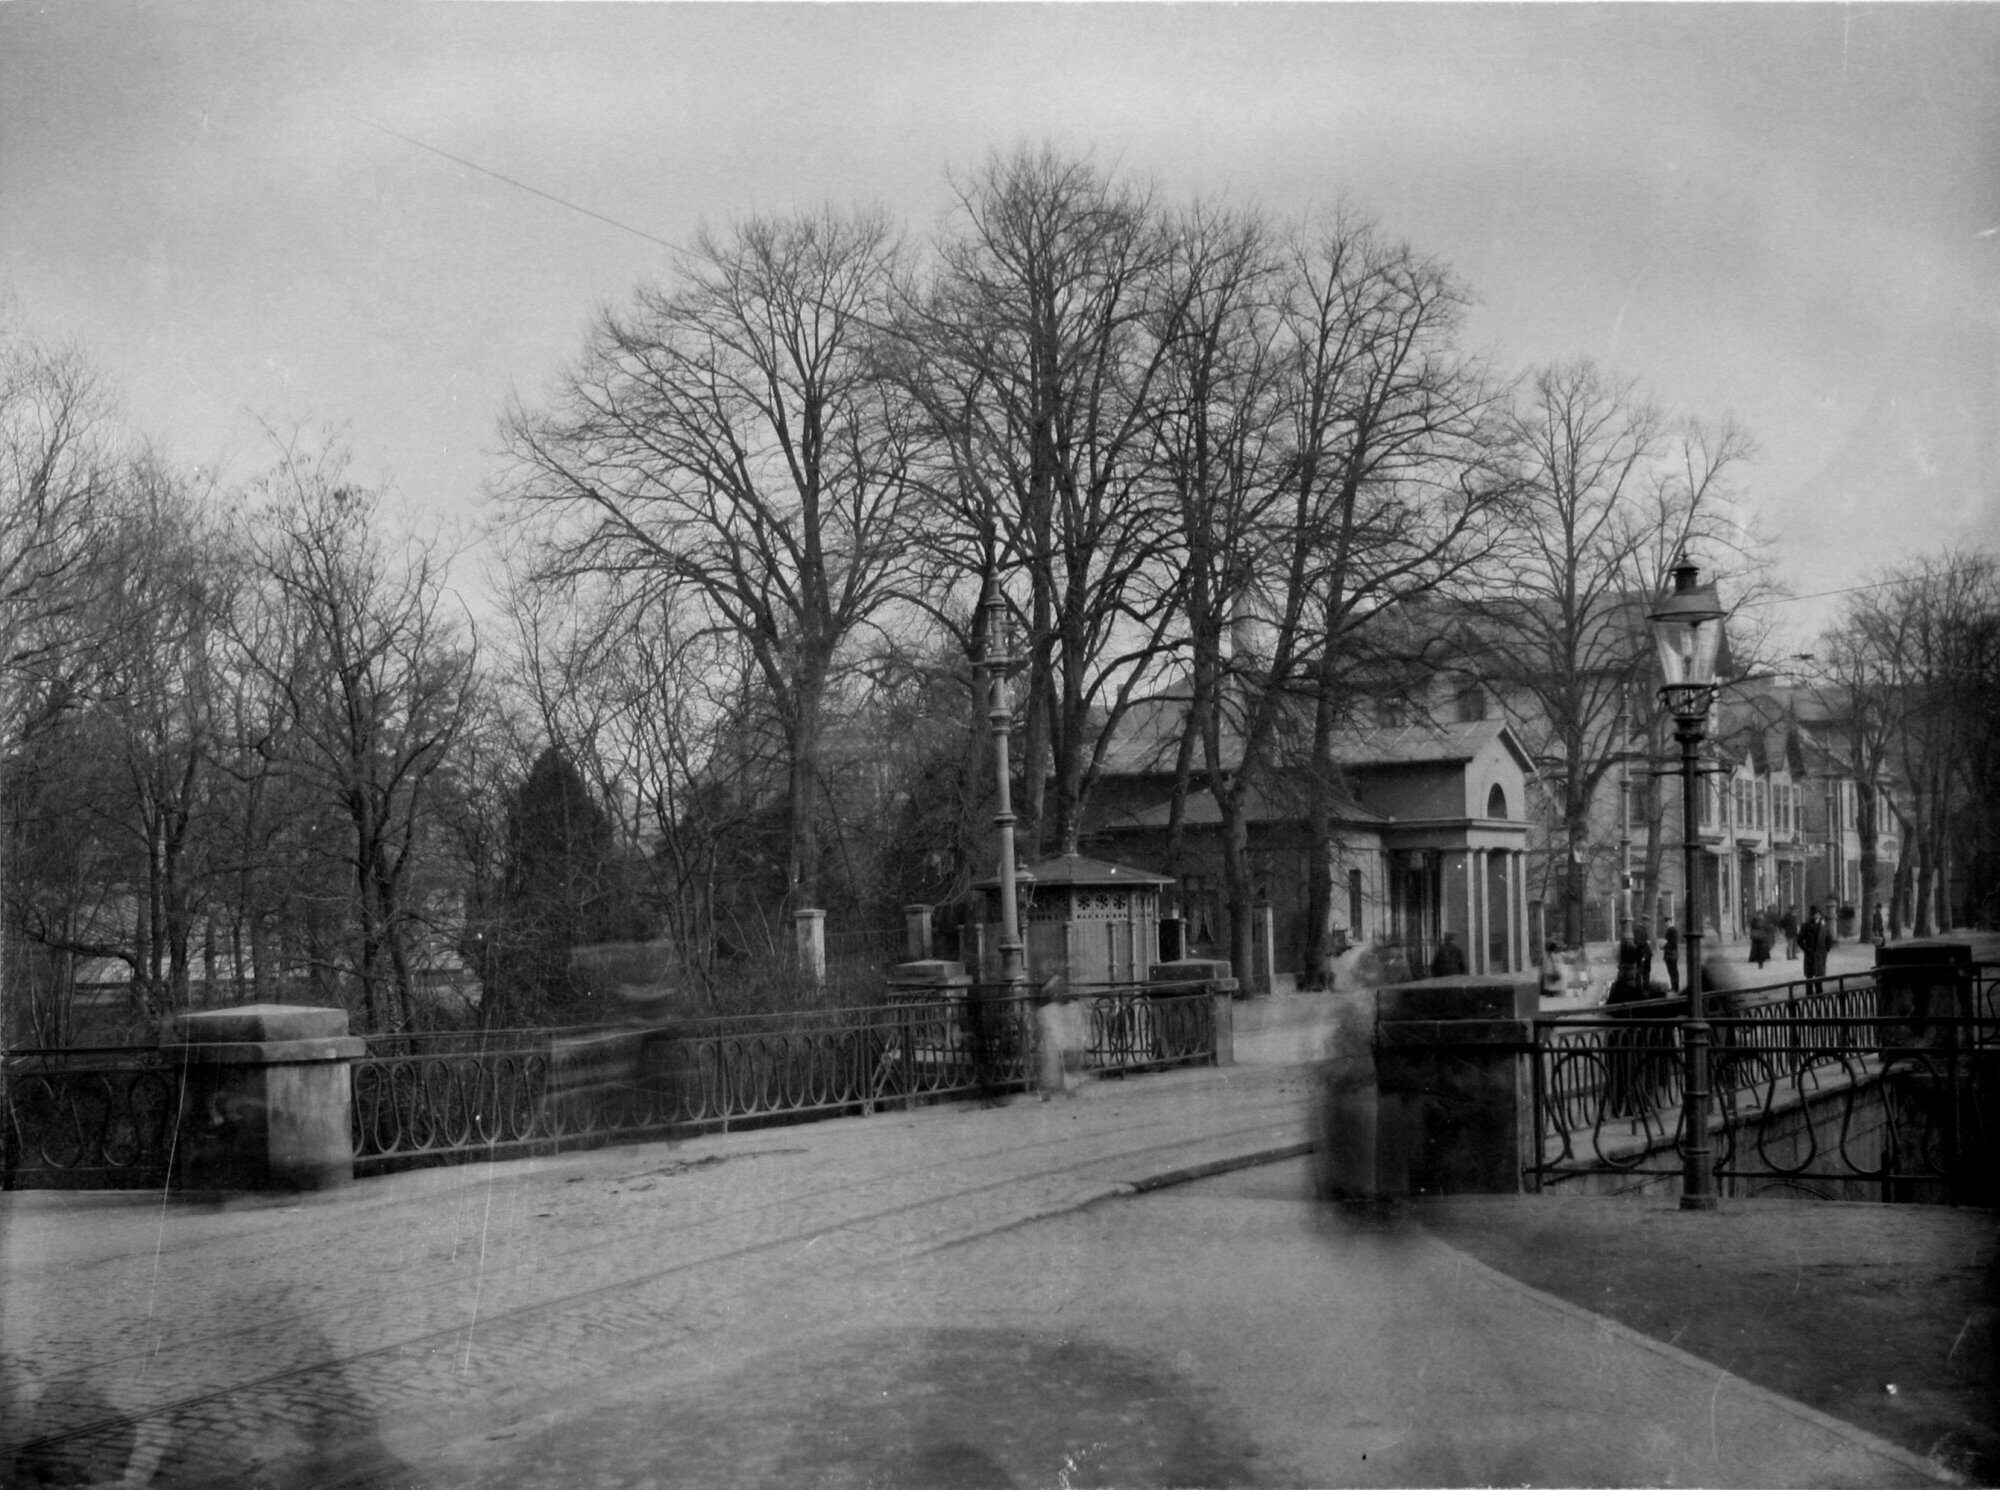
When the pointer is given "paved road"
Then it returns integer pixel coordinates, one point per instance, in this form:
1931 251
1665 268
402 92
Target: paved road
956 1296
205 1342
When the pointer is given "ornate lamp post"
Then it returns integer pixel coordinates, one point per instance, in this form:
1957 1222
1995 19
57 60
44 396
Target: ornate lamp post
998 663
1687 633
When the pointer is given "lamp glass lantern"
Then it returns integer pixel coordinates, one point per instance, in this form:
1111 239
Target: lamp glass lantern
1687 634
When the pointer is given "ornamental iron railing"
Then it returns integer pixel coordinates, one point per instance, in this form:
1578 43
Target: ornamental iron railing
430 1099
102 1118
109 1117
1823 1087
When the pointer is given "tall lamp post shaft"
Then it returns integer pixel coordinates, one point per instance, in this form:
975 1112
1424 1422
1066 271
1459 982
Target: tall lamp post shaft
1698 1157
1687 631
1000 715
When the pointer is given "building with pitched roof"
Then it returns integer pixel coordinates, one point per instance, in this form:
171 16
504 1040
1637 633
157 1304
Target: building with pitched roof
1430 836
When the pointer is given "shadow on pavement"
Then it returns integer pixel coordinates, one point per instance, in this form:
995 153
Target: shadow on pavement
305 1430
928 1409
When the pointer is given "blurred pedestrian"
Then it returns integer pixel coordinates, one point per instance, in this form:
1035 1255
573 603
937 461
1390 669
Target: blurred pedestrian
1645 943
1878 929
1815 941
1450 959
1760 940
1626 985
1670 953
1790 926
1554 978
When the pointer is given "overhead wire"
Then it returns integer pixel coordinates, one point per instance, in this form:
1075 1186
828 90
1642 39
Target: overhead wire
547 196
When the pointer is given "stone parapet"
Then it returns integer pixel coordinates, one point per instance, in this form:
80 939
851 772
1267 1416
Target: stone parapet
1440 1103
269 1102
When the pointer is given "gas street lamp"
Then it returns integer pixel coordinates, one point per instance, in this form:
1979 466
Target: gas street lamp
998 662
1687 634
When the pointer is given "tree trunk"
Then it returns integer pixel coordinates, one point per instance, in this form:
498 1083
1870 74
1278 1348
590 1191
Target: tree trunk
1236 881
1319 826
802 876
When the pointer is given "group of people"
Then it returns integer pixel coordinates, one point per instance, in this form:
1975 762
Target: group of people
1810 939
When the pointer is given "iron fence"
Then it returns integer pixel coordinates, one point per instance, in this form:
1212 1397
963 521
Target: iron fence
89 1118
108 1117
1817 1086
432 1099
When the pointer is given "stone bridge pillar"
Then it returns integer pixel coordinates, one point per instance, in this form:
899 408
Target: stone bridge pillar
1440 1103
269 1102
1921 981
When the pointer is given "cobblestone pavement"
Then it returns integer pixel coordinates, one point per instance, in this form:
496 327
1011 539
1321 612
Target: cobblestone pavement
170 1342
503 1324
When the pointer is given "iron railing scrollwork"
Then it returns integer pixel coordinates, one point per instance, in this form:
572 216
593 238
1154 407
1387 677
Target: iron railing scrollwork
439 1100
1820 1088
110 1117
90 1118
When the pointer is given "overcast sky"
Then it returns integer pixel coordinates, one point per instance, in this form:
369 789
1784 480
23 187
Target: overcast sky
1786 213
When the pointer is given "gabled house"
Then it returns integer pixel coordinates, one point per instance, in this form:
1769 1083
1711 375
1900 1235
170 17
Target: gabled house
1430 839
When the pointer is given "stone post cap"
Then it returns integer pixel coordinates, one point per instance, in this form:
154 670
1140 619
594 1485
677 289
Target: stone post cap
1465 996
930 972
259 1023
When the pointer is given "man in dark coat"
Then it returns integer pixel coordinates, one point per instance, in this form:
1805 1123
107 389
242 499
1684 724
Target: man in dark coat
1670 953
1815 941
1789 924
1450 959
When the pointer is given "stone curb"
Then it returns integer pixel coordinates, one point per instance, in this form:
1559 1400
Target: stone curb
1225 1165
1840 1428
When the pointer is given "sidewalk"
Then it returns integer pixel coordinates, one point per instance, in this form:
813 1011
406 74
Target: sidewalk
505 1323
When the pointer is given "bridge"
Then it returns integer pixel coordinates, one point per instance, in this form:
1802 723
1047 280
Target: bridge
1879 1085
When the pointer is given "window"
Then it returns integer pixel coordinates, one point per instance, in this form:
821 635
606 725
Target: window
1390 713
1471 705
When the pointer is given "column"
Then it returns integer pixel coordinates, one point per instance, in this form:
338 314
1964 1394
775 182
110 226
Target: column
917 932
1480 910
811 929
1521 951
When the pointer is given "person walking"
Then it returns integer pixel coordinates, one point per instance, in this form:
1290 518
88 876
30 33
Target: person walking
1670 953
1790 926
1645 944
1450 959
1626 987
1760 940
1555 978
1815 941
1628 1065
1878 929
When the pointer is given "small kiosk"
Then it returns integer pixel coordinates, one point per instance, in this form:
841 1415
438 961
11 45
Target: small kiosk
1087 921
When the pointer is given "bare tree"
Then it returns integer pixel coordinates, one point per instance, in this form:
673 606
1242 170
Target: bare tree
734 438
1216 432
1610 491
374 680
59 465
1037 356
1391 491
1919 650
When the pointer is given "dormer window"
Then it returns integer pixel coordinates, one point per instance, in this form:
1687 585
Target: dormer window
1471 704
